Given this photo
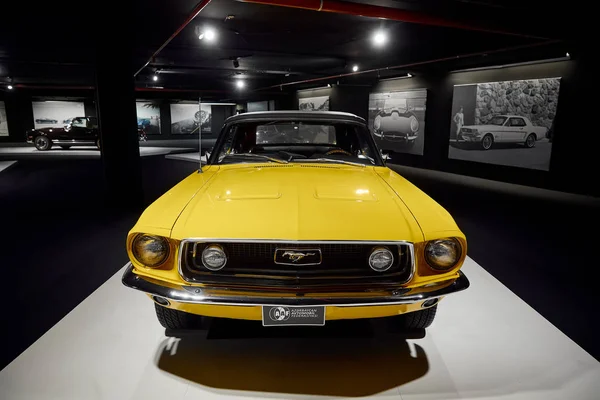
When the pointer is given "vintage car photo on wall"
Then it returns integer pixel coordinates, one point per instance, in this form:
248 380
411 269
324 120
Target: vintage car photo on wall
268 231
318 103
506 123
397 120
186 118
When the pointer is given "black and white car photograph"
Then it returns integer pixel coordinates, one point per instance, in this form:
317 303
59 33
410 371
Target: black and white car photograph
506 123
318 103
187 117
397 120
55 114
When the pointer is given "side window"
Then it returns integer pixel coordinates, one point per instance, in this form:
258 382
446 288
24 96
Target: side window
517 122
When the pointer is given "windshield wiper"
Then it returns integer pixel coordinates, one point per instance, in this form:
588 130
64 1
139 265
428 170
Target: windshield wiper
332 160
250 155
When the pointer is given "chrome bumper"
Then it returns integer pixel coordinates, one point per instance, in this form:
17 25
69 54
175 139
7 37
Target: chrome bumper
245 297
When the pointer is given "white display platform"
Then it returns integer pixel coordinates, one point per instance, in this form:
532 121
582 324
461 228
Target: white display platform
485 344
5 164
81 151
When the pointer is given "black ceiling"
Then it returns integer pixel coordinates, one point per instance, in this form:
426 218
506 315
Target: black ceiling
54 44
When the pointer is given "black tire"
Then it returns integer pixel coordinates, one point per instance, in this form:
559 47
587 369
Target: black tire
530 140
42 143
175 319
66 147
487 142
417 319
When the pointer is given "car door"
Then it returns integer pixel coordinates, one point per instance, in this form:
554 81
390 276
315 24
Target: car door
516 130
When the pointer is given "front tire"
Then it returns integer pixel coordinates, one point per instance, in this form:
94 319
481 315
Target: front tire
175 319
530 141
417 319
487 142
42 143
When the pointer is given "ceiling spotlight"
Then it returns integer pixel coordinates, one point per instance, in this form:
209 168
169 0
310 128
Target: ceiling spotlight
236 63
10 87
409 75
354 68
210 34
240 84
155 78
568 55
379 38
329 85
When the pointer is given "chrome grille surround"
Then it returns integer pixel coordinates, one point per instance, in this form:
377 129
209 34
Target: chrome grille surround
184 270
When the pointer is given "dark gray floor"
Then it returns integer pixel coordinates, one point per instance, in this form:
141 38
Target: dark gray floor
61 242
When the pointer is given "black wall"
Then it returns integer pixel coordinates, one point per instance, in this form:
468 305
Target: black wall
573 162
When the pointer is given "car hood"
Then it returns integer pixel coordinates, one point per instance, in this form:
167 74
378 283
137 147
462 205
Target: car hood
295 202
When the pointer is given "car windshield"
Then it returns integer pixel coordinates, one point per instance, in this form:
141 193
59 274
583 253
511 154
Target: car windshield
297 141
497 121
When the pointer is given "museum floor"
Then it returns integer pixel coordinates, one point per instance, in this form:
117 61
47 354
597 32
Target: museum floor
487 341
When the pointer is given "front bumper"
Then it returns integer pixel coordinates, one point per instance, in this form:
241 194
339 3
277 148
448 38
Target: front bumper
219 296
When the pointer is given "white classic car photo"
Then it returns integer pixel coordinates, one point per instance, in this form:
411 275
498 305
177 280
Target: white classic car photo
503 129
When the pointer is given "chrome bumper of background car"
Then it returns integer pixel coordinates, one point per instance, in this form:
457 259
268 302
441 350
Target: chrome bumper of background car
245 297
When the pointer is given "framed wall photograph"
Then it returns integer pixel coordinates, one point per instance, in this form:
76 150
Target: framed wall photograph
319 103
505 123
397 120
56 114
3 120
187 118
148 116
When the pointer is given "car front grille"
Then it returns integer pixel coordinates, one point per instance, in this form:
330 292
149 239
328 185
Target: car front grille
253 264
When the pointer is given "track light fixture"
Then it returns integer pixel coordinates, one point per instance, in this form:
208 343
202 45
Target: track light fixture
208 34
379 38
240 84
10 87
155 77
354 68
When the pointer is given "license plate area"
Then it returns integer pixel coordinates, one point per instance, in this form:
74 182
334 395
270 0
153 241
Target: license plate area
293 315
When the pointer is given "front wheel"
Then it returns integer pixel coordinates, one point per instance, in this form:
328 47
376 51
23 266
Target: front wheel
175 319
417 319
530 141
42 143
487 142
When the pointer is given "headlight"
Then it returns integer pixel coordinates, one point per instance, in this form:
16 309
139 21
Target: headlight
214 257
414 124
150 250
381 259
442 254
377 123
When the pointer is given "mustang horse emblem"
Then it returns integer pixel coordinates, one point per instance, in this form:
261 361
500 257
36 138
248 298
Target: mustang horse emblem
296 256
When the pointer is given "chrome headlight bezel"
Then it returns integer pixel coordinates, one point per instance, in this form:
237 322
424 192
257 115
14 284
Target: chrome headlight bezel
381 251
434 249
154 244
215 249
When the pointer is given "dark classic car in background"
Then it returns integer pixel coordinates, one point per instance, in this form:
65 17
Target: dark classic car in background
80 131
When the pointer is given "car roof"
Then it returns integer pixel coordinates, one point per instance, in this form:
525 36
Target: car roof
296 115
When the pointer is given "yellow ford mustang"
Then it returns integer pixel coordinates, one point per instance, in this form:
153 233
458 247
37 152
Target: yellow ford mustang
295 220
